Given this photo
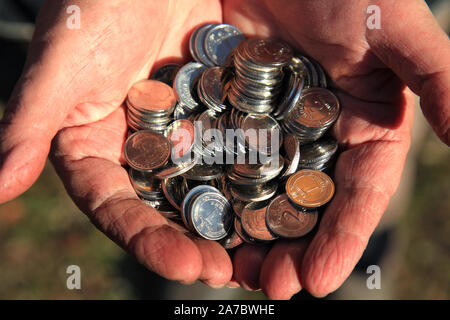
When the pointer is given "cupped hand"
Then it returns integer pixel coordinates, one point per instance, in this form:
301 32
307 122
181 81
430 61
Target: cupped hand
69 102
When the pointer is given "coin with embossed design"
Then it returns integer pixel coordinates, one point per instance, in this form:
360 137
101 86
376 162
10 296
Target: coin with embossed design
147 150
253 219
310 188
211 215
287 221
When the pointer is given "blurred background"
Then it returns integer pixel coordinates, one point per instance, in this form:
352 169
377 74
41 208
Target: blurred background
42 232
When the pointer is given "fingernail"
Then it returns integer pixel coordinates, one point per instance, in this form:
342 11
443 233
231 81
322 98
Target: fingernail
212 285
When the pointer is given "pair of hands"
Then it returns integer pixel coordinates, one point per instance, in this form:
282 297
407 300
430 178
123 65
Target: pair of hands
69 102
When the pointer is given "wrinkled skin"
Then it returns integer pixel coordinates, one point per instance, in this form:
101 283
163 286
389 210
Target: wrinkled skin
69 103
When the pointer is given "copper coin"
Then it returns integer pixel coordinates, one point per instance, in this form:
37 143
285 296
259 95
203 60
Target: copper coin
287 221
147 150
231 241
310 188
253 219
238 206
152 95
241 232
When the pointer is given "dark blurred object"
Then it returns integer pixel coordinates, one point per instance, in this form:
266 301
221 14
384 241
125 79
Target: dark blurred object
16 29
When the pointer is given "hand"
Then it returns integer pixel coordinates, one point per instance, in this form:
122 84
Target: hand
70 98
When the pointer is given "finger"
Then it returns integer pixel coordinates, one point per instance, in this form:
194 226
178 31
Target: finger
40 101
366 176
233 283
217 267
60 83
124 218
280 272
418 51
100 186
247 262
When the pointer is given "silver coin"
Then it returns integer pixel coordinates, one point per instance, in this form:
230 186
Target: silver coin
176 169
291 99
268 51
181 134
192 44
270 169
185 81
248 194
213 86
166 73
181 112
164 208
247 104
256 123
173 191
145 184
204 172
220 42
212 215
243 182
317 108
320 72
199 44
312 73
187 201
293 155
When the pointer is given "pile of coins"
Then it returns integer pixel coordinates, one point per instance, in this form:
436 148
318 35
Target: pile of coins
254 182
150 105
318 155
270 187
258 74
313 114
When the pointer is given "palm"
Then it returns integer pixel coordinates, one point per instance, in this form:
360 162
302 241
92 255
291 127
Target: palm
373 130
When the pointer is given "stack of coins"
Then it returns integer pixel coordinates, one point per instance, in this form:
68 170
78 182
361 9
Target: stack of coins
181 134
146 185
175 189
137 148
294 85
276 107
212 44
204 172
318 155
150 105
302 73
206 145
254 182
311 69
291 147
259 74
267 137
212 88
315 112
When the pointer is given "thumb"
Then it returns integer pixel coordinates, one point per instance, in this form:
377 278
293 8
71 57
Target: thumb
412 44
34 113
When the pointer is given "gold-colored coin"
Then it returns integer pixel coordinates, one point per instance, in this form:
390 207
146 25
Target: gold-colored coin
310 188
